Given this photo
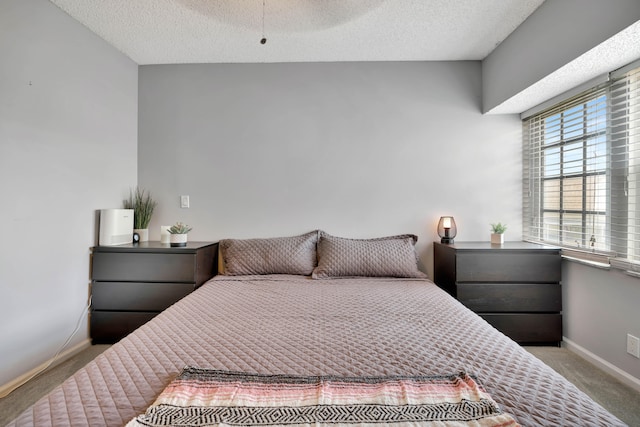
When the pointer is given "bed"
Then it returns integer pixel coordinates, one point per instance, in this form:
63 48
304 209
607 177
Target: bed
315 306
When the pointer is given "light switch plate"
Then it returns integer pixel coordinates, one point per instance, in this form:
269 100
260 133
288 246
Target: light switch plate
184 201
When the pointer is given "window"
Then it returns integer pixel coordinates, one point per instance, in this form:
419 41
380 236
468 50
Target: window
582 170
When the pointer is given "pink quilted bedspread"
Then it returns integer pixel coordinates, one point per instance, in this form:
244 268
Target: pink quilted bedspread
292 325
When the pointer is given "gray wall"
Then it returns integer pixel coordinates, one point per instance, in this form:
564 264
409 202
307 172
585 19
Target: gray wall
68 130
555 34
356 149
599 305
600 309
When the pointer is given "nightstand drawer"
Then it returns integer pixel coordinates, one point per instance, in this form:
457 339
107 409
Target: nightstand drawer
528 328
508 266
514 286
511 297
111 326
132 283
144 267
137 296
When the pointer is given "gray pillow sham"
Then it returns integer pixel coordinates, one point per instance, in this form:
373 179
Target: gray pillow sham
392 256
278 255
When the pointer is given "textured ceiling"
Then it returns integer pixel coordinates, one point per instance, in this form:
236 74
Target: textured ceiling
229 31
213 31
613 53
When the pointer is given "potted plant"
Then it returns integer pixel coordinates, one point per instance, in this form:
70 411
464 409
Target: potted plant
143 205
497 233
178 234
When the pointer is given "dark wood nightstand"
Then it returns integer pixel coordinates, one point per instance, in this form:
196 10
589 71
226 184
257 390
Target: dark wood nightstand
514 286
132 283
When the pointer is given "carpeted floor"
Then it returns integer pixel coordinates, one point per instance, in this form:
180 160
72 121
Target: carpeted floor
26 395
618 398
622 401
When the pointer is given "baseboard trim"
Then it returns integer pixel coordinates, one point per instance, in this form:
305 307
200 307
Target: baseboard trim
6 389
609 368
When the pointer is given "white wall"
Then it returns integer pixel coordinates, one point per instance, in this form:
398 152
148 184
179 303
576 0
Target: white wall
356 149
68 130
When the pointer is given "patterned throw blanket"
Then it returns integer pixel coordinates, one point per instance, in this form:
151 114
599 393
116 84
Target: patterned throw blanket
202 397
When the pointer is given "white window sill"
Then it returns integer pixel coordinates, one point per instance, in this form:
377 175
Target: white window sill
600 260
628 268
588 262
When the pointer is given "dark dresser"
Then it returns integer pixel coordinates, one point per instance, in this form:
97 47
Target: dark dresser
514 286
132 283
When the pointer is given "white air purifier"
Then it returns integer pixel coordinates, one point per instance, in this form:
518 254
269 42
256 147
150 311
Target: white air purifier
116 227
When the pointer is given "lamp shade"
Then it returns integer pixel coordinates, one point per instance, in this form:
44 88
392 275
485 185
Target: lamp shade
447 229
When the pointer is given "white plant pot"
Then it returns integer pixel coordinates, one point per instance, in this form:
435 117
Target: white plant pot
165 236
143 233
497 239
178 240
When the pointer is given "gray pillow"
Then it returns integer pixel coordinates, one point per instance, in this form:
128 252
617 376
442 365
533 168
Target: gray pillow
392 256
278 255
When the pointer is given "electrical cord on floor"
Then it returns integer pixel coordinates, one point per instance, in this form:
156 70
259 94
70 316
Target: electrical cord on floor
85 311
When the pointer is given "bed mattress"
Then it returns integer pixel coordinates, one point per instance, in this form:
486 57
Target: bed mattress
281 324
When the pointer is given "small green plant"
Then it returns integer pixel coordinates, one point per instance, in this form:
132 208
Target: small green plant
179 228
498 228
143 205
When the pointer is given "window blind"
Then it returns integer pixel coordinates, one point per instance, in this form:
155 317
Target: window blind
581 172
